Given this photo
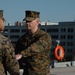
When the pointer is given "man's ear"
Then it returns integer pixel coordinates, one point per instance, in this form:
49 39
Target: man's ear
37 20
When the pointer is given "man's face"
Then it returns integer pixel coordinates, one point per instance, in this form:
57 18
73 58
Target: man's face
1 25
31 25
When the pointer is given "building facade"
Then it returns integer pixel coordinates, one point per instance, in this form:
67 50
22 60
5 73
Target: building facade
62 32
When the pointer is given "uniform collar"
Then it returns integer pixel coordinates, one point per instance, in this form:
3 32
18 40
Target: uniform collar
32 35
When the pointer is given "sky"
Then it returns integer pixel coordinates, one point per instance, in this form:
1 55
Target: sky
50 10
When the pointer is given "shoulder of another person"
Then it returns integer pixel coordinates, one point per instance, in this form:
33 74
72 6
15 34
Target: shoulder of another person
3 39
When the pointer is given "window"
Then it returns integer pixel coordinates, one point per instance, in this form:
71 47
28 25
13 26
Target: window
63 43
69 36
14 30
63 30
54 36
62 36
52 30
23 30
14 36
70 30
69 43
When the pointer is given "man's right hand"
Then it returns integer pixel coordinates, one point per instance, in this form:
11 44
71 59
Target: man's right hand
18 56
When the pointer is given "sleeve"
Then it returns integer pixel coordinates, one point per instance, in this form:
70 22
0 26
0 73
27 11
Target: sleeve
11 62
43 43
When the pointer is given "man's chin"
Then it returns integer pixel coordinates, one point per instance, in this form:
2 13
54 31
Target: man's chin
28 28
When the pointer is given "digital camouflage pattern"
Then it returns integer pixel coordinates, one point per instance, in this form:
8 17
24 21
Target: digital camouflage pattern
7 55
36 49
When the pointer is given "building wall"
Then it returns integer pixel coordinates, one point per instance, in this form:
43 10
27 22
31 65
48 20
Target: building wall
62 31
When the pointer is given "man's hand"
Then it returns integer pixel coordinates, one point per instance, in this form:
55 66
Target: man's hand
18 56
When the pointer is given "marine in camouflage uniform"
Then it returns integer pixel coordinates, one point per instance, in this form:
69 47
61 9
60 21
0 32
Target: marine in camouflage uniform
8 61
35 49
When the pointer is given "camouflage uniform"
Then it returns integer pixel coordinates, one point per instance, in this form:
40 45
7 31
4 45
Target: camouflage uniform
7 58
35 48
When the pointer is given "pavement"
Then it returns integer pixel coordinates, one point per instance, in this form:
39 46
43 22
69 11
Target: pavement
63 70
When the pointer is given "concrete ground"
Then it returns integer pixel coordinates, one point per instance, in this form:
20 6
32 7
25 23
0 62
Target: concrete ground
63 70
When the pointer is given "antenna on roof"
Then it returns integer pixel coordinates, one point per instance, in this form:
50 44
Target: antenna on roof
9 24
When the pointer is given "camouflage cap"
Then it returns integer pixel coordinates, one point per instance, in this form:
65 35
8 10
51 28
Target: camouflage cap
31 15
1 15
